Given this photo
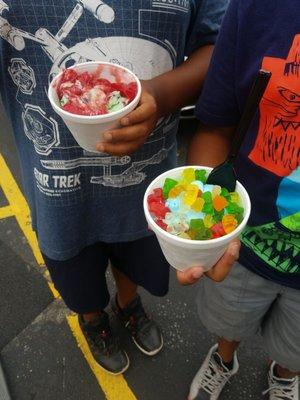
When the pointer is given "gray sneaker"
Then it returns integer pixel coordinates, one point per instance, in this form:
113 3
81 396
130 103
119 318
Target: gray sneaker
282 389
212 377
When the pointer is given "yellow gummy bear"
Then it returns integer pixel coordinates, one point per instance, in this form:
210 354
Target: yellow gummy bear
216 191
234 197
229 223
191 194
188 175
208 221
175 191
198 205
184 235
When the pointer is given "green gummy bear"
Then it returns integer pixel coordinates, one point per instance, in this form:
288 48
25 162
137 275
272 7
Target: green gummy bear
200 175
208 208
204 234
225 193
239 217
207 197
233 208
218 215
168 185
197 224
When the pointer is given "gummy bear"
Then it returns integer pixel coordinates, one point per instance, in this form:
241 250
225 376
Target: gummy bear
225 193
158 209
218 230
204 234
207 197
188 175
219 203
173 204
198 205
161 224
184 235
218 215
208 208
192 234
200 175
158 193
191 194
197 224
175 191
216 191
199 184
229 223
208 188
208 221
168 185
232 208
234 197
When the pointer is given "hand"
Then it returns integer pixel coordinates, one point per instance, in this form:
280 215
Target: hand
135 127
218 273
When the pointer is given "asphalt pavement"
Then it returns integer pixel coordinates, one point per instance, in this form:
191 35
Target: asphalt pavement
39 349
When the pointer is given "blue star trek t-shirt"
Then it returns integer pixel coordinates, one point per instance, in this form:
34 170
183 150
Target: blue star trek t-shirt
254 35
78 198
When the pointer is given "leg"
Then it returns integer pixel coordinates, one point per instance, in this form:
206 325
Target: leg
126 289
281 332
285 373
233 310
227 349
81 282
139 263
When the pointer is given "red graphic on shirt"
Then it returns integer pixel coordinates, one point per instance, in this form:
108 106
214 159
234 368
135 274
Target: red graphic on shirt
277 146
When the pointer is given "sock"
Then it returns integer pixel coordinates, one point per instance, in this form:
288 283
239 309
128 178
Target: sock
280 378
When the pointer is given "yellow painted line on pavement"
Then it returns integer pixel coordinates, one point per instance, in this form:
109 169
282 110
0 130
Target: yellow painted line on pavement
114 388
6 212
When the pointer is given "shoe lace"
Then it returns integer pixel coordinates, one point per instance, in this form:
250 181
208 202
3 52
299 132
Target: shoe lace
282 391
105 340
214 378
138 319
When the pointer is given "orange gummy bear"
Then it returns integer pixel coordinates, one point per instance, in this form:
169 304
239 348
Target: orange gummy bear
219 203
175 191
229 223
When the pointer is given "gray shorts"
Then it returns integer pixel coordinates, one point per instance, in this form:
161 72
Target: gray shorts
245 303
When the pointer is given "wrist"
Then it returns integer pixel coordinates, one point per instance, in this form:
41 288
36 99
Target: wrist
152 87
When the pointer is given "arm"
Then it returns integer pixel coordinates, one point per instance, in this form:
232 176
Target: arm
181 86
210 145
161 96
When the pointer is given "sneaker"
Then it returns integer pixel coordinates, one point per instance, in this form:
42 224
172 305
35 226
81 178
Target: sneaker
212 377
144 332
103 345
282 389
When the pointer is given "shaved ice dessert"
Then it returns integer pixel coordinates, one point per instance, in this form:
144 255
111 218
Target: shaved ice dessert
92 98
87 93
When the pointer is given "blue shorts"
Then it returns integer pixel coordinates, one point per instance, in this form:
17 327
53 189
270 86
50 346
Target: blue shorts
81 280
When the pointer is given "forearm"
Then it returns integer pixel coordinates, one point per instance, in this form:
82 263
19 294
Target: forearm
210 146
181 86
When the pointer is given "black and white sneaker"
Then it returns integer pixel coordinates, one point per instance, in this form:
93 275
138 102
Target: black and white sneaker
212 377
103 345
282 389
144 332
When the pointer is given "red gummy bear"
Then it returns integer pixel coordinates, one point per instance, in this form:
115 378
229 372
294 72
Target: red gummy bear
158 209
161 224
218 230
